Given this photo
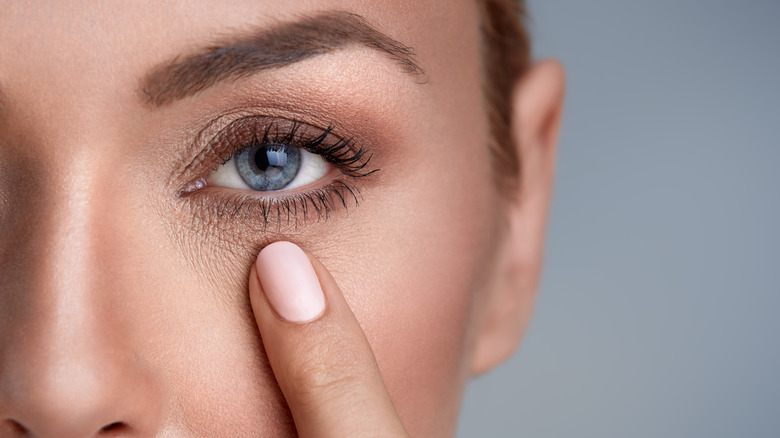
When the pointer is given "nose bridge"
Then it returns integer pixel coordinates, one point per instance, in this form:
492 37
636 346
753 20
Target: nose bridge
66 366
55 255
66 241
47 252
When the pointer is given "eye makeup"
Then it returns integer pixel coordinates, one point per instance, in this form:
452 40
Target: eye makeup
350 162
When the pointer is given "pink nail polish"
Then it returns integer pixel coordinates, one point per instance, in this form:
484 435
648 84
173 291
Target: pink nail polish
289 282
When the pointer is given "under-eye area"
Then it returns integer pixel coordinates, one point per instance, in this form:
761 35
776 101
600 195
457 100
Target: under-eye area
269 170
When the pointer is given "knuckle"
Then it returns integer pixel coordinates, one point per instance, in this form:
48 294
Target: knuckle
330 370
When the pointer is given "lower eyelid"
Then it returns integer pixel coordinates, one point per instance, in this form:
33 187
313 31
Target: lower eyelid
256 211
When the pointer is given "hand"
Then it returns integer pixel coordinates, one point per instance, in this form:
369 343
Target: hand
317 350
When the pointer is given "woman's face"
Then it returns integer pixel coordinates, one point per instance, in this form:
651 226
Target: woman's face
127 230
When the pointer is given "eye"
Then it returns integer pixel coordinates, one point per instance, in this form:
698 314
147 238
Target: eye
299 172
270 167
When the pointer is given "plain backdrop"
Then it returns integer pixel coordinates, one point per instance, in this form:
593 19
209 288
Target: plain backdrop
659 309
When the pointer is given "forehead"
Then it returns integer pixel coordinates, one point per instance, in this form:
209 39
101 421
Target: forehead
101 46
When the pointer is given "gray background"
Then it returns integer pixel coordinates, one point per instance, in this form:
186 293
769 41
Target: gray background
659 307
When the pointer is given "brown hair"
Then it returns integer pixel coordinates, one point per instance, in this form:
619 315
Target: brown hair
506 55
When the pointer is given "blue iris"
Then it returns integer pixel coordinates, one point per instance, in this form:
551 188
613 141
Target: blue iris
268 167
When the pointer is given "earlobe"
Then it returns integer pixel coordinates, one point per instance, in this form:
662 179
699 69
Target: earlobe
537 104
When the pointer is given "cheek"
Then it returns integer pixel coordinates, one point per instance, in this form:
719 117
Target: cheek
415 304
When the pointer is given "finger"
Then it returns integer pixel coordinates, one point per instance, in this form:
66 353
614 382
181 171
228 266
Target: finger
317 350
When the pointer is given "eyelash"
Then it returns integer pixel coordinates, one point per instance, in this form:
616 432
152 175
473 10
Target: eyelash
351 159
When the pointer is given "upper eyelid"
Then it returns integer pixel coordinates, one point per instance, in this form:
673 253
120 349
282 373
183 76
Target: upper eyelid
294 134
206 136
201 144
196 147
343 153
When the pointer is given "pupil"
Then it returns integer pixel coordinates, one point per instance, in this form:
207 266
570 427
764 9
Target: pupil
268 167
261 159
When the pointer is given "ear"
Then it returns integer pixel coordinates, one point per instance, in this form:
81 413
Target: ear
537 107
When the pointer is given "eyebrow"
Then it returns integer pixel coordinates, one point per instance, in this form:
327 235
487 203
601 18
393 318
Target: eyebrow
275 47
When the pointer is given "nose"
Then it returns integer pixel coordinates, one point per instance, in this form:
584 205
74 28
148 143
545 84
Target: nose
76 393
71 363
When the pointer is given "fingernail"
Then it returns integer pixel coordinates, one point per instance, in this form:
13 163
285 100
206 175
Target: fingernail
289 282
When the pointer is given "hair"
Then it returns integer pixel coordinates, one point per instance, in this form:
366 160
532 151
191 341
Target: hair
506 53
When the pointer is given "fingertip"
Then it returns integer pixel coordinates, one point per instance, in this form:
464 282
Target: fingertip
289 282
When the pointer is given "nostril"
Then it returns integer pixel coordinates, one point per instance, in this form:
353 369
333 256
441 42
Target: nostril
114 427
16 428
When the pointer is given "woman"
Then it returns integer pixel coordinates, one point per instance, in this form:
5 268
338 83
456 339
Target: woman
150 153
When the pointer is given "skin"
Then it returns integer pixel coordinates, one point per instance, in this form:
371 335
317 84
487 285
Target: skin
123 303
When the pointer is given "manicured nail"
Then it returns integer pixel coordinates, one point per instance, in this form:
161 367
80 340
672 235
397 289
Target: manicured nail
289 282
